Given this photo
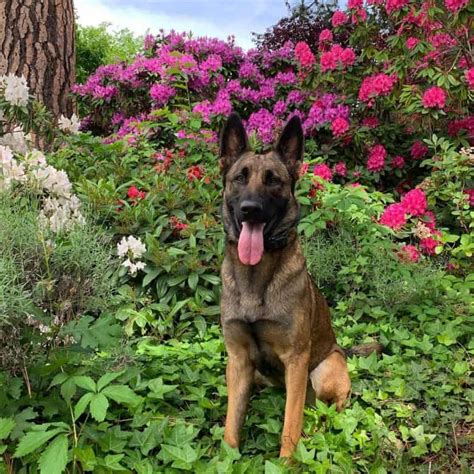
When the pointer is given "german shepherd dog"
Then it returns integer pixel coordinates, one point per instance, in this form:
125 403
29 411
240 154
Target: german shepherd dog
276 324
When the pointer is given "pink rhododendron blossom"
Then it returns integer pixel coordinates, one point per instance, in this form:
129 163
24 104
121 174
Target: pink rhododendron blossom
323 171
340 168
337 56
429 220
455 5
375 86
161 93
418 150
355 4
409 253
470 77
339 126
398 162
325 35
339 18
376 161
263 122
359 15
304 54
470 194
412 42
414 202
394 5
434 97
428 245
394 216
371 122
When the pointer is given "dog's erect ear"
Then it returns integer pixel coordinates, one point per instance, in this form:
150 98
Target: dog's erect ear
290 145
234 141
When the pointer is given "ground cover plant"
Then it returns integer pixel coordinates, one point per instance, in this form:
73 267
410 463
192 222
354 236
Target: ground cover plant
111 355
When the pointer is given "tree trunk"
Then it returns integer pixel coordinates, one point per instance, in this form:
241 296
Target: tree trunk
37 41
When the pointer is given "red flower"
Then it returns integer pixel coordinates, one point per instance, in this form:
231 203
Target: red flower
434 97
304 54
376 161
418 150
134 193
339 126
398 162
323 171
394 216
409 253
414 202
340 168
428 245
194 172
412 42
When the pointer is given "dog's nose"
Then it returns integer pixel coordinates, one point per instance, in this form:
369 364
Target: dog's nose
250 208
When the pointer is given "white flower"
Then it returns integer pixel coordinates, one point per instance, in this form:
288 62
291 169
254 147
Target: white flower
17 140
131 244
16 90
71 125
136 246
133 267
10 170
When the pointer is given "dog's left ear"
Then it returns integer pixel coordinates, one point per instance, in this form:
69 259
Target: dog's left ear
234 141
290 146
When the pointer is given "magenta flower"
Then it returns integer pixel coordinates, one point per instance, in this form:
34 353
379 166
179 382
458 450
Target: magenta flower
434 97
414 202
394 216
376 161
304 54
339 126
339 18
323 171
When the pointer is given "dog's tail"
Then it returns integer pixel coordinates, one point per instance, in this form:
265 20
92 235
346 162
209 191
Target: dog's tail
364 350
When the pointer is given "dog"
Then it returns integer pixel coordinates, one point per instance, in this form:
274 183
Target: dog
276 324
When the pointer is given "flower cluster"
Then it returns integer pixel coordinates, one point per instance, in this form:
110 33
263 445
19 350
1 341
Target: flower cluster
336 57
304 54
15 90
132 249
376 86
71 125
434 97
376 161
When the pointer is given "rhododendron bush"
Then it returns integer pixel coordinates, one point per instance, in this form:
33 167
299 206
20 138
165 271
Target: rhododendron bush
369 108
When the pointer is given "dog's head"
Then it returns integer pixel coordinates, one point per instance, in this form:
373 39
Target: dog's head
259 203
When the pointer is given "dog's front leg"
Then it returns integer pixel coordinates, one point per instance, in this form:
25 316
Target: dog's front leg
296 379
239 376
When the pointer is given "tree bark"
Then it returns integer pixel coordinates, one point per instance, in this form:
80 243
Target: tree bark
37 41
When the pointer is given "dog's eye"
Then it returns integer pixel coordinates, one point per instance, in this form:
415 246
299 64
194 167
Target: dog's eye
271 179
240 178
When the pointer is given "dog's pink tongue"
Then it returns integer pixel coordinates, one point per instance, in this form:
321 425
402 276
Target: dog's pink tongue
250 245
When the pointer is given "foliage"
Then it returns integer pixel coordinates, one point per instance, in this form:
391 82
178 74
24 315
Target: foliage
96 46
135 381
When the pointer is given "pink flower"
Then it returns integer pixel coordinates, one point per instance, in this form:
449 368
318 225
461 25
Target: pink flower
429 219
161 93
371 122
455 5
304 54
434 97
418 150
398 162
339 126
323 171
348 57
134 193
339 18
428 245
328 61
336 56
394 216
376 161
325 35
354 4
414 202
340 168
470 193
409 253
412 42
470 78
375 86
393 5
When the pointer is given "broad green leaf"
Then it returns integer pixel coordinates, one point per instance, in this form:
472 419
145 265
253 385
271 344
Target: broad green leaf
85 382
6 426
33 440
81 405
98 406
86 457
107 378
53 460
122 394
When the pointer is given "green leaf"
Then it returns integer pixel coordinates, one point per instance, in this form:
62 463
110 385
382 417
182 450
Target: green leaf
86 457
85 382
99 405
122 394
81 405
33 440
271 468
107 378
6 426
182 458
53 460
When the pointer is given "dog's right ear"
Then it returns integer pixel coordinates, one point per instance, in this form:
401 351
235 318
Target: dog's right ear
234 141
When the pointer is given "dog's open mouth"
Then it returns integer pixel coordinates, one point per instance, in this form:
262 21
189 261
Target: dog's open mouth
250 246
